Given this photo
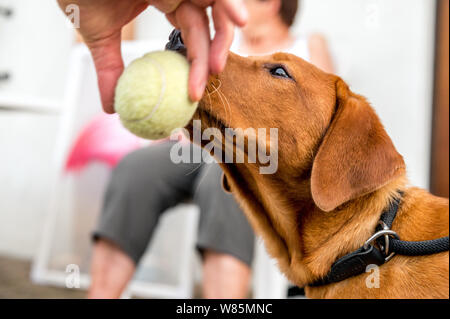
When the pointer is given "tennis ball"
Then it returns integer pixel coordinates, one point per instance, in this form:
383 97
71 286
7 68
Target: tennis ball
152 95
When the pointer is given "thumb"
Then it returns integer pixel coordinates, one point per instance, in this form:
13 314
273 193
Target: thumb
109 65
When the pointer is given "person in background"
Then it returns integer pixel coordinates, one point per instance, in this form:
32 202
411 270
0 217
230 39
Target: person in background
146 183
269 29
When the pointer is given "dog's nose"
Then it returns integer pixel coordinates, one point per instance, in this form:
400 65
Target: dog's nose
176 42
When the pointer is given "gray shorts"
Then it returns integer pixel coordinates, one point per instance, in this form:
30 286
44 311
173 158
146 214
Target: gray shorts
146 183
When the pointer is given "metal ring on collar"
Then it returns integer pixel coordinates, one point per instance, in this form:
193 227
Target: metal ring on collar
386 233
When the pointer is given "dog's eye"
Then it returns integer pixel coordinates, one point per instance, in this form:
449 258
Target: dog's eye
280 72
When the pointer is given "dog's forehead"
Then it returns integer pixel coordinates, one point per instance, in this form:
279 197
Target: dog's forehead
276 57
288 59
281 57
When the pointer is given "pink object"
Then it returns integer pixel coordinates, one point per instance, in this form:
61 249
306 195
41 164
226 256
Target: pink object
104 139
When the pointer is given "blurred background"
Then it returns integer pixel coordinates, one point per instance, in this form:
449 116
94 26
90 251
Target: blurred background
395 52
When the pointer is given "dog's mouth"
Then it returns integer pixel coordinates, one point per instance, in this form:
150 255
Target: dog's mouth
206 114
205 118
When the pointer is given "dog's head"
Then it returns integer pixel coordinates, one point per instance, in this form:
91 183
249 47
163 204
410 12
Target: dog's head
328 137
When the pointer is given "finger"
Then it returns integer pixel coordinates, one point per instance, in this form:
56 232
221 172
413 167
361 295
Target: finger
109 65
173 20
222 39
202 3
193 23
165 6
235 10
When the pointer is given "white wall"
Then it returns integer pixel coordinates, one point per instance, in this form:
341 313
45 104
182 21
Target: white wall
153 25
34 46
383 49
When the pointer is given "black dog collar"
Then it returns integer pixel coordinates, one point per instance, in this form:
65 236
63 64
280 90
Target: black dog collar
380 248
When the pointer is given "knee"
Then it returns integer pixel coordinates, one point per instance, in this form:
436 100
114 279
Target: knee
224 262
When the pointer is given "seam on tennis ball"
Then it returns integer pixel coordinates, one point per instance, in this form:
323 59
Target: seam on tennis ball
161 93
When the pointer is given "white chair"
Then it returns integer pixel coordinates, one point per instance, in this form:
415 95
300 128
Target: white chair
166 270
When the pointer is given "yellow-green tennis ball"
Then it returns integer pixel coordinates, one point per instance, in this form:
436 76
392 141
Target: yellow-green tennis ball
152 95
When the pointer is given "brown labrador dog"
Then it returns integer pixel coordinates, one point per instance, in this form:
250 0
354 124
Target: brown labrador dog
337 172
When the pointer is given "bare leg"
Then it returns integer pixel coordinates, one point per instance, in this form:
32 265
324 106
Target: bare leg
111 270
224 276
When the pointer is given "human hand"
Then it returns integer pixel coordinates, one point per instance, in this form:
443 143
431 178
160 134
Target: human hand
205 56
101 23
103 20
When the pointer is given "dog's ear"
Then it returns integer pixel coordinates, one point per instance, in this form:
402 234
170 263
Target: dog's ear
356 156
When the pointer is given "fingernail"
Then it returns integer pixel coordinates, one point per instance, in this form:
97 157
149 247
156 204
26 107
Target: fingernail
200 90
194 95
